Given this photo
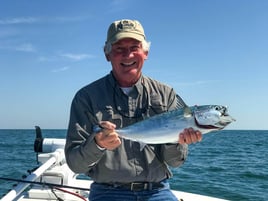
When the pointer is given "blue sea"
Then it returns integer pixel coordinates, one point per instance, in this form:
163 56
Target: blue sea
228 164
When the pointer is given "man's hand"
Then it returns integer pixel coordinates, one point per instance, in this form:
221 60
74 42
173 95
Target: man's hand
189 136
107 138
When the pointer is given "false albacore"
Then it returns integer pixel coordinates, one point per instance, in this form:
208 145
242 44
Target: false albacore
165 127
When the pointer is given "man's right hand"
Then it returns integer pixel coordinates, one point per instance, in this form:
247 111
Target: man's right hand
107 138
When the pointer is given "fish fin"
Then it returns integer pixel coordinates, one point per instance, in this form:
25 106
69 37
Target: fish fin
187 112
96 128
179 102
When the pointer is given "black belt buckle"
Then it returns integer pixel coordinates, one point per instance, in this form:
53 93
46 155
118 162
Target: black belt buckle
136 186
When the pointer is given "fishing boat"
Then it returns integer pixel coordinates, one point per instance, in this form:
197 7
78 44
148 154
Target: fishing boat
53 179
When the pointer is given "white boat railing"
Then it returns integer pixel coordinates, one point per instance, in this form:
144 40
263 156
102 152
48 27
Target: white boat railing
55 158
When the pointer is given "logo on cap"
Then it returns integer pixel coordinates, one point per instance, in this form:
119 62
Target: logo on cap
125 24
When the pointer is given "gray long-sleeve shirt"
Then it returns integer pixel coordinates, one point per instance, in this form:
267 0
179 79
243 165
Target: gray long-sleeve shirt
104 100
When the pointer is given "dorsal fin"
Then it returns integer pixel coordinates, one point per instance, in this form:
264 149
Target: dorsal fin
180 103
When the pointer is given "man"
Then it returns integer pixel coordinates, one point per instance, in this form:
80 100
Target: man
119 168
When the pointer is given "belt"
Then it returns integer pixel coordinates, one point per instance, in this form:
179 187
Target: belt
138 186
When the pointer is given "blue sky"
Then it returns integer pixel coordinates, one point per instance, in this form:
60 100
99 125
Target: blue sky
210 51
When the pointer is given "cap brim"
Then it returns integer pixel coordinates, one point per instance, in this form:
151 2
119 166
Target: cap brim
123 35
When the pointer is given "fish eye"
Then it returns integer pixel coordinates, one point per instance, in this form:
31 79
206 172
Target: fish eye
217 108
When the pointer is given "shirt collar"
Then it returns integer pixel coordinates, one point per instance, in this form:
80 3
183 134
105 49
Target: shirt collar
138 85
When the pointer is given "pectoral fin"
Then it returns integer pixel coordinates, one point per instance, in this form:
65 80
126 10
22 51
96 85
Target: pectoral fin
187 112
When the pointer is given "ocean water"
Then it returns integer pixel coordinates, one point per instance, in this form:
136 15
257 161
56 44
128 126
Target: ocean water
229 164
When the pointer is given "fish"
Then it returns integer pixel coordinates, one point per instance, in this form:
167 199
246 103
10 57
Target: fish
165 127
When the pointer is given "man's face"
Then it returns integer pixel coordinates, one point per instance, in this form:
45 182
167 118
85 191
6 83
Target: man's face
127 58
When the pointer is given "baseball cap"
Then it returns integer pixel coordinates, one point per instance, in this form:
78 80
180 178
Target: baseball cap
125 29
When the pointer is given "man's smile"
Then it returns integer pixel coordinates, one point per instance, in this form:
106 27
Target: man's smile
128 64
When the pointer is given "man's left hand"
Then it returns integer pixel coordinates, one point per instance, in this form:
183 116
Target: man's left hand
189 136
